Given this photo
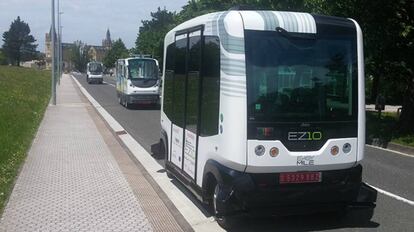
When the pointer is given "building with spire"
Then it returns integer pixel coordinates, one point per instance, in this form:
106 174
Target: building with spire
107 42
96 52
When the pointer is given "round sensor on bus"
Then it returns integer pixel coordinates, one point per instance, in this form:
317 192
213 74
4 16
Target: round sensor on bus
259 150
346 148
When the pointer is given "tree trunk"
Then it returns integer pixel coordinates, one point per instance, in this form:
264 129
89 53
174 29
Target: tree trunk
18 59
375 87
406 121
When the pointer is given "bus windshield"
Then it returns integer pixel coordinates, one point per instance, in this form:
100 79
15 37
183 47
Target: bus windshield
142 69
298 79
95 67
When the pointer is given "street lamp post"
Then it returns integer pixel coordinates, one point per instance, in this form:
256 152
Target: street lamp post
60 45
53 48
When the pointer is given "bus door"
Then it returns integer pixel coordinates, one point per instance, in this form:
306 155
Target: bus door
118 76
122 74
186 111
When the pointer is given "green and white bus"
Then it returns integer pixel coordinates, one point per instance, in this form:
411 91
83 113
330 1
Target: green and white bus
137 81
264 111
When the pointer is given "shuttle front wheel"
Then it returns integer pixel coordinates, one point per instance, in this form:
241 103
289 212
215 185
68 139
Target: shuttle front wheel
225 221
358 216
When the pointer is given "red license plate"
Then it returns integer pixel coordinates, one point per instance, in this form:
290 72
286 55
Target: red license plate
300 177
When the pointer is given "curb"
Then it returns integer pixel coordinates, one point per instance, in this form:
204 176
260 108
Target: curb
391 150
401 148
193 215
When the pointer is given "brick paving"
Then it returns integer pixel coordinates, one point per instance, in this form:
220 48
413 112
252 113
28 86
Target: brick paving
70 180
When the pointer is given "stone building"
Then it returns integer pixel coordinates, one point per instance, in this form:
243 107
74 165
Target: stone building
96 52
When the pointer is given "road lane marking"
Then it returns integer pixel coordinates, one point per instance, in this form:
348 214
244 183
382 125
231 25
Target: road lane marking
109 83
392 195
384 149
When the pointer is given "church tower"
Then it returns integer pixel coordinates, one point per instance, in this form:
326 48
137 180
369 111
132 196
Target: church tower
107 42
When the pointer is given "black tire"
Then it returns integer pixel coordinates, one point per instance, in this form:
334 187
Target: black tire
359 216
119 99
169 174
225 221
122 100
163 149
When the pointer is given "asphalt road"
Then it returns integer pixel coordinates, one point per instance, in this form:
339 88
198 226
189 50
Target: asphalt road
385 170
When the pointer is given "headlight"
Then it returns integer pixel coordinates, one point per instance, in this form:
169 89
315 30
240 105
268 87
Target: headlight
334 150
274 151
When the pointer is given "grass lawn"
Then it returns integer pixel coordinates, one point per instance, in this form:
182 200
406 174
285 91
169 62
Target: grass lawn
384 129
24 95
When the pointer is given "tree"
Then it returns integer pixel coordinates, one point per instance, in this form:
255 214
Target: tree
388 29
117 51
18 43
3 59
80 56
150 39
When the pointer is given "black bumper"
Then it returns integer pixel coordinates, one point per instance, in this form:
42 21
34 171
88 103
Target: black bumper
95 79
143 98
262 193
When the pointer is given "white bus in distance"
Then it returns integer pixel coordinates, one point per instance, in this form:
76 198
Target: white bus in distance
264 112
94 72
137 81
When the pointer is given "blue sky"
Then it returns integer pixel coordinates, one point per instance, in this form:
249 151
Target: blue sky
85 20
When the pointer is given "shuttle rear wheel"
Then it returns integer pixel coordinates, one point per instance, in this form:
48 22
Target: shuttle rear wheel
119 99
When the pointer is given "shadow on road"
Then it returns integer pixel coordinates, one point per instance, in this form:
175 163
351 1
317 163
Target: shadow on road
144 107
313 222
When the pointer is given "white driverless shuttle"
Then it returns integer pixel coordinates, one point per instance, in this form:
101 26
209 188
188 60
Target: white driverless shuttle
137 81
264 111
94 72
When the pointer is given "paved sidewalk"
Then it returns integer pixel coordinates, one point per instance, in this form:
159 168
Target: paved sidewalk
71 181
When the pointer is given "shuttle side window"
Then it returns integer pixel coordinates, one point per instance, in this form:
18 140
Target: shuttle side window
210 99
179 82
185 65
168 79
193 83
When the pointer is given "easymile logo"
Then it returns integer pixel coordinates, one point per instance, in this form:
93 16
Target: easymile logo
304 136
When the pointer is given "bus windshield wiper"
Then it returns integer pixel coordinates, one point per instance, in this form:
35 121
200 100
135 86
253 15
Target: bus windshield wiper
287 34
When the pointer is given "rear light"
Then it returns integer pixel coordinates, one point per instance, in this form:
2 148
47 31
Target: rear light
259 150
334 150
265 131
274 151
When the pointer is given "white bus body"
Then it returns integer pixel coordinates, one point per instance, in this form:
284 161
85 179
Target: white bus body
137 81
94 72
266 109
